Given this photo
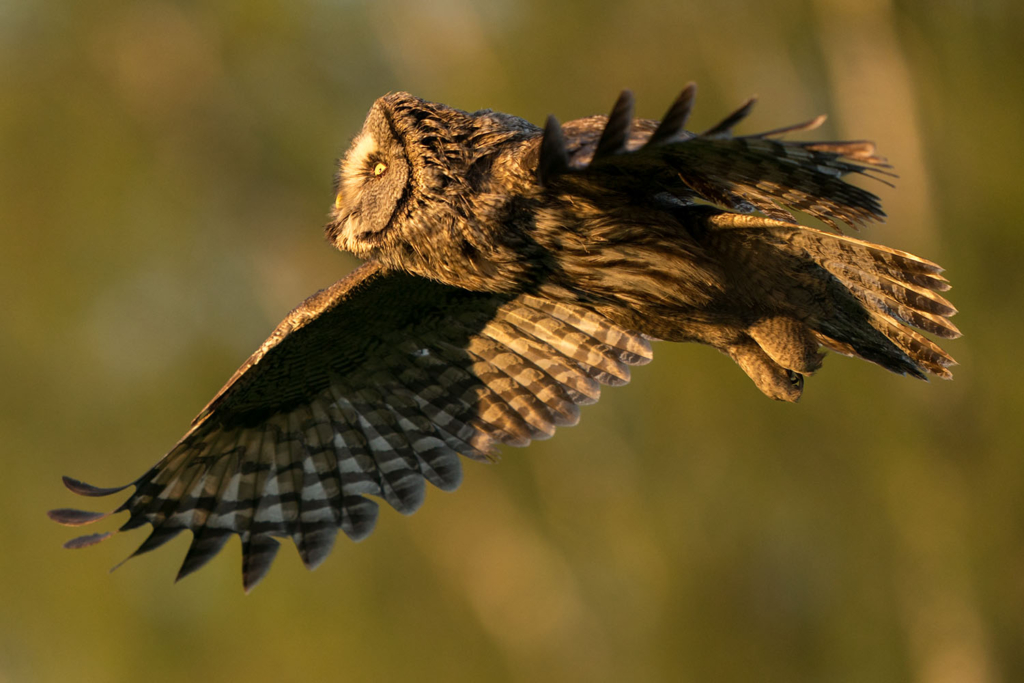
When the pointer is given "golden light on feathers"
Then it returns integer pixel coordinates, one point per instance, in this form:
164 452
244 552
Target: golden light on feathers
511 272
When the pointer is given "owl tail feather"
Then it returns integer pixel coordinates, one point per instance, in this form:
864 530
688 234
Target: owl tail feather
862 300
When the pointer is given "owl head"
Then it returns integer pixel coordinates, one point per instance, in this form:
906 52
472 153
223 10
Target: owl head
420 185
402 163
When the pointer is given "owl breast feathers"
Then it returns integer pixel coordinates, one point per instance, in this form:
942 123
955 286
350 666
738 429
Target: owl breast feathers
510 272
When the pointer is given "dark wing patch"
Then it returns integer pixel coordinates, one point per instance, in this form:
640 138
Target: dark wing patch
745 173
370 388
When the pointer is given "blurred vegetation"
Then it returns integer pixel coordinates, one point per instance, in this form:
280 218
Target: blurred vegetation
165 170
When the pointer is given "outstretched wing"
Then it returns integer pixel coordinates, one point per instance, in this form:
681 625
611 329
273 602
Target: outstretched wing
744 173
851 296
370 387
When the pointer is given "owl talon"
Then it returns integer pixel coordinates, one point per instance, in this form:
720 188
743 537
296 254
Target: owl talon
773 380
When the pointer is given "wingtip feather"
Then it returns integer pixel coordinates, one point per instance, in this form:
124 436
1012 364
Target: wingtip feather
673 124
206 544
83 489
725 126
258 553
87 540
73 517
811 124
553 159
616 130
315 545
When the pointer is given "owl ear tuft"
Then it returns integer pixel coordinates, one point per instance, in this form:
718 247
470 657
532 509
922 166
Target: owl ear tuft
616 130
553 159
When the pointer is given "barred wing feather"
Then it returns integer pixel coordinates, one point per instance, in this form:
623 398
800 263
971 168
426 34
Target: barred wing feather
758 172
371 387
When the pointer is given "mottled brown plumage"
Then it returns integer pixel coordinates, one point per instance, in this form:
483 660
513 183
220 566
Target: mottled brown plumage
511 270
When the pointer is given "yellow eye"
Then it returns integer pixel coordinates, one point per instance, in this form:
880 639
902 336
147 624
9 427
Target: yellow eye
379 169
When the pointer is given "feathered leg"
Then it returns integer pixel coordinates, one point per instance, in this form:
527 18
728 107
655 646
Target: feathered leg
854 297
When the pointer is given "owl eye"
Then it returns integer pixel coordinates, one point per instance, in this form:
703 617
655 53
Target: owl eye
380 169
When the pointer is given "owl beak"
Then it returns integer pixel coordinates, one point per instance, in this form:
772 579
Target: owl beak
339 202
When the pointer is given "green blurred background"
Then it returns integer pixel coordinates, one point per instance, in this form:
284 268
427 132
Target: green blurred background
165 172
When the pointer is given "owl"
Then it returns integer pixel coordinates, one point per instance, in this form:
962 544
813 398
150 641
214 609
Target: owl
511 271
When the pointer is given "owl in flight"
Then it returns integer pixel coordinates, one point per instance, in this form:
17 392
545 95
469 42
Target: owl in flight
509 272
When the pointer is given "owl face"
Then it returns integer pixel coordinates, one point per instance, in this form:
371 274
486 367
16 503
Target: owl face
372 185
400 176
424 188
